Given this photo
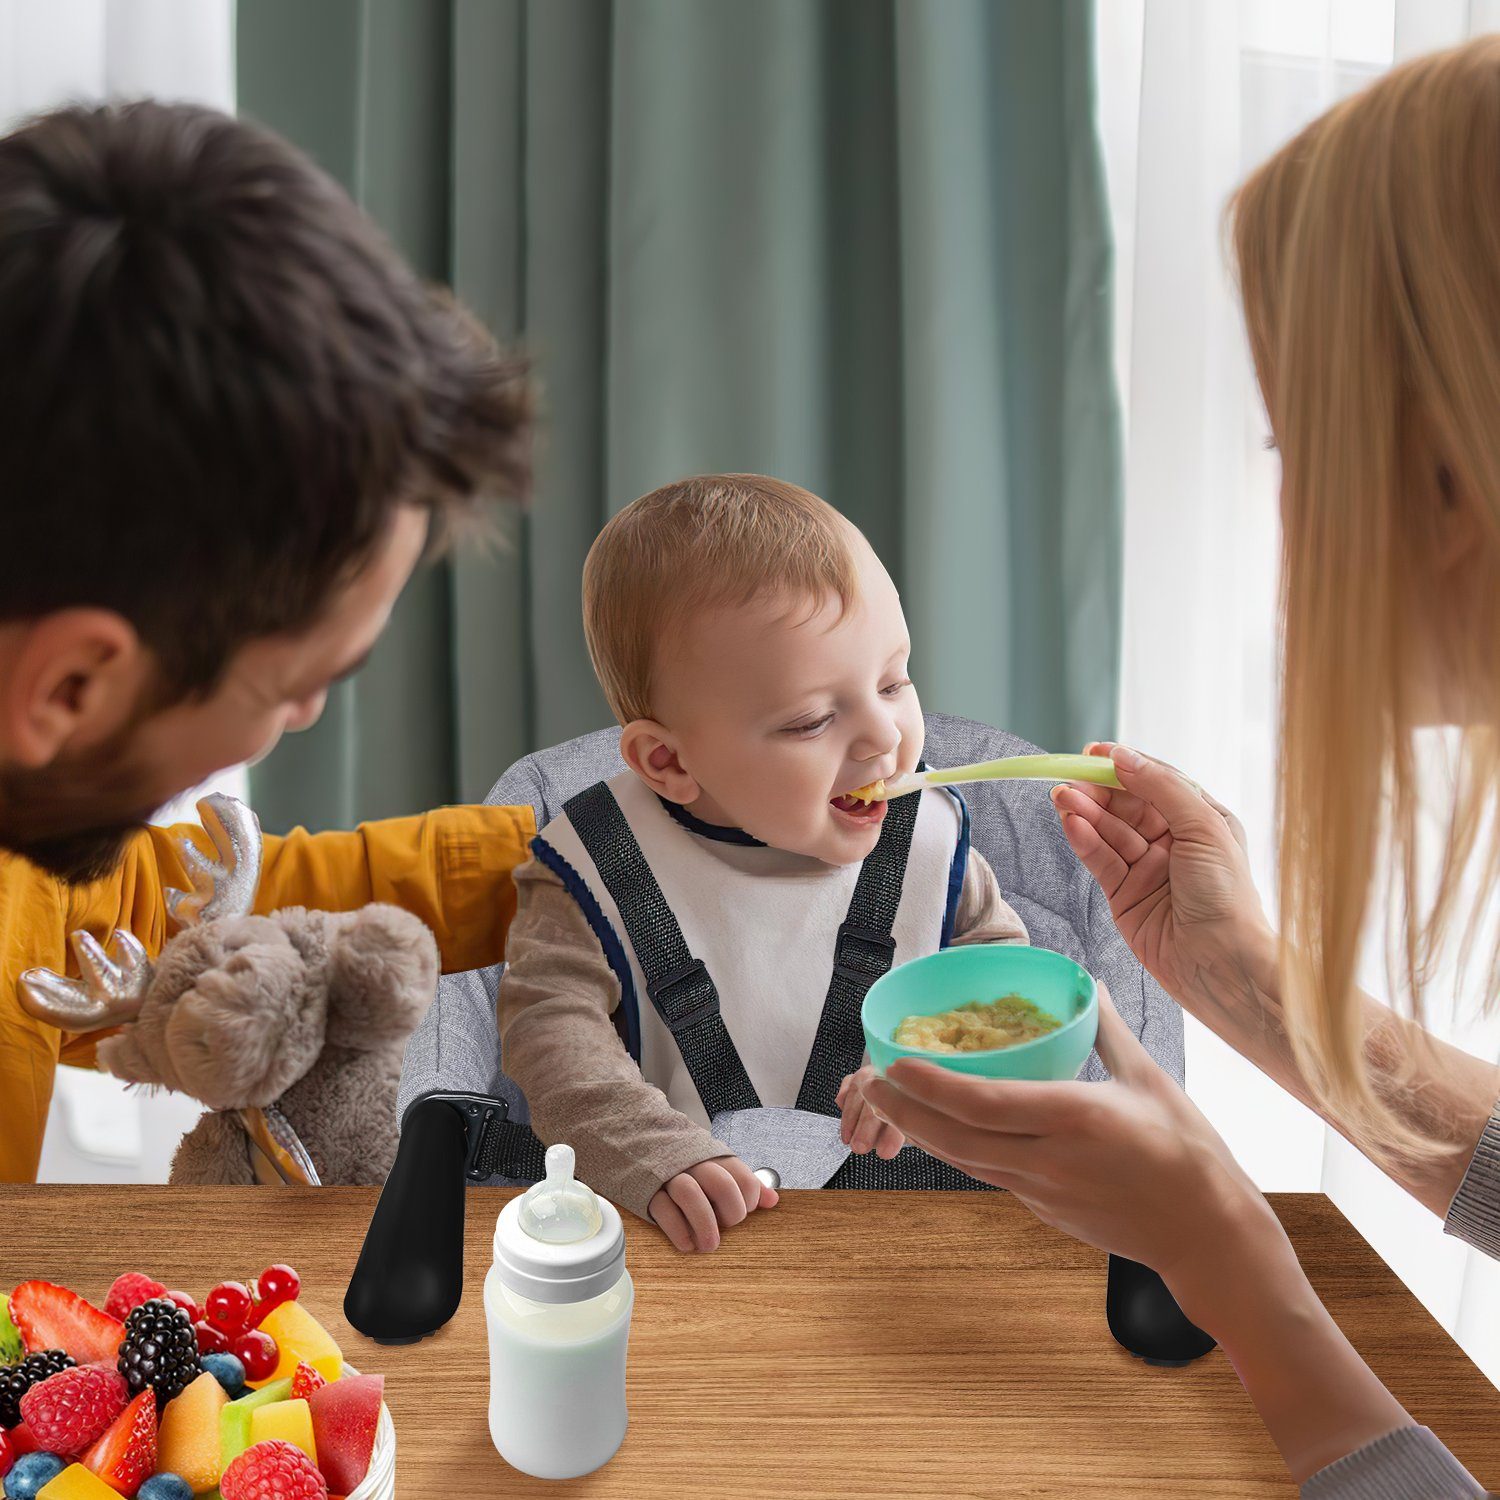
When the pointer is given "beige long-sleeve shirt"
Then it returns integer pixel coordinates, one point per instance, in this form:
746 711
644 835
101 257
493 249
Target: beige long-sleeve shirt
556 1004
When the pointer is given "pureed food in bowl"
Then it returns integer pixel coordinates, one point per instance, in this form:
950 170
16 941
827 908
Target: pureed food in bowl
977 1026
953 980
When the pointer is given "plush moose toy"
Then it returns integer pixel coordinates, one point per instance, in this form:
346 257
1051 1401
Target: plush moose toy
290 1028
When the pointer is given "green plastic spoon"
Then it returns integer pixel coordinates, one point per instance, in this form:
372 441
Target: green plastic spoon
1095 768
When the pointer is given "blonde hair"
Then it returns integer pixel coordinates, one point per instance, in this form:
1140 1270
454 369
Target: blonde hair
717 539
1368 253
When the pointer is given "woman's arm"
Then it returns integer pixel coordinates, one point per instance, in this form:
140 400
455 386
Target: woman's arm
1132 1166
1432 1087
1173 867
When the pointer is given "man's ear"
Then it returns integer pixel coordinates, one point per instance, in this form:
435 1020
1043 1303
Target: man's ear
71 678
649 749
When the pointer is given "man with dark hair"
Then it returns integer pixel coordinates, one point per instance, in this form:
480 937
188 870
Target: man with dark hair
231 422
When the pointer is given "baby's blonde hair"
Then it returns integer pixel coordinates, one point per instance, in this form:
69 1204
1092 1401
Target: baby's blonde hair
712 540
1368 252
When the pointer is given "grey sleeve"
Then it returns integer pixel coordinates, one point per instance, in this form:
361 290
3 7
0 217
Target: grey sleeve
1474 1214
1398 1466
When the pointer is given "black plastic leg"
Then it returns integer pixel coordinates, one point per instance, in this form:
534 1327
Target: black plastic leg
1145 1319
410 1274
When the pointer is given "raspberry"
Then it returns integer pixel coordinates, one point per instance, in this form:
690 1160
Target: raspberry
72 1409
273 1471
17 1379
129 1291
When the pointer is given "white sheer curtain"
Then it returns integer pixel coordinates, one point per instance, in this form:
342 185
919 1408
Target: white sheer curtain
54 52
1193 95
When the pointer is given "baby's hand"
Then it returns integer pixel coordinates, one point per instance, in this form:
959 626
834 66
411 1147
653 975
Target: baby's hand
862 1128
717 1194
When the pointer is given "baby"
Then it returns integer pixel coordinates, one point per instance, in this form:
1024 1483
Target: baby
754 650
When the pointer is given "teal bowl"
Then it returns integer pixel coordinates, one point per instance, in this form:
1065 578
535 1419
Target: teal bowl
987 971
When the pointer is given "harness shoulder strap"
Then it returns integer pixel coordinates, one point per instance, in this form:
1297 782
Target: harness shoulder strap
862 953
679 985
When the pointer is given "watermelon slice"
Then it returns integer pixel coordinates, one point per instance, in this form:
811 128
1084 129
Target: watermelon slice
52 1317
345 1415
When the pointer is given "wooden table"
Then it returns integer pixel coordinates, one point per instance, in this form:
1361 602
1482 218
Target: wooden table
831 1348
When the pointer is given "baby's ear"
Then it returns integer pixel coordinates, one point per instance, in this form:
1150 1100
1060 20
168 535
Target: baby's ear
382 976
252 1023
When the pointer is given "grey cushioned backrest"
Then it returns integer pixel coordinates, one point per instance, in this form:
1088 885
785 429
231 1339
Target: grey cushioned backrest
1013 826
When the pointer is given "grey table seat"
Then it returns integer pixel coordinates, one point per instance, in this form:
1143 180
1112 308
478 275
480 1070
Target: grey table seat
1013 825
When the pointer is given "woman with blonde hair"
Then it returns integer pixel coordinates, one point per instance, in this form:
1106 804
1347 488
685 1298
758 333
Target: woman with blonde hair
1368 252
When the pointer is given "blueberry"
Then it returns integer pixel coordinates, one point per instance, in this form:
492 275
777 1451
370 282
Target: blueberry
228 1371
165 1487
31 1472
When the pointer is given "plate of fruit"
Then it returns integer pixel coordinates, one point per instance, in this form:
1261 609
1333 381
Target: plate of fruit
244 1396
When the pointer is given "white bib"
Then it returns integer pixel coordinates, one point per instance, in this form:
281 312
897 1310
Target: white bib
764 922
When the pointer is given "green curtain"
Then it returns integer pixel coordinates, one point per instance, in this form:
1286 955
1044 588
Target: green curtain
860 244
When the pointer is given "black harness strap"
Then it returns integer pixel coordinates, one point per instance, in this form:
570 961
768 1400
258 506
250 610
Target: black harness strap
679 985
862 953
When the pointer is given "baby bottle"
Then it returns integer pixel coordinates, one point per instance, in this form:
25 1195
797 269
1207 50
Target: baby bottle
557 1300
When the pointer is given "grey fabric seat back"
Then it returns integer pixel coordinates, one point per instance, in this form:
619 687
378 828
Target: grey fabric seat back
1012 824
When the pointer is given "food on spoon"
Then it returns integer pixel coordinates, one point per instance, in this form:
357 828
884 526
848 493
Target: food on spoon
873 791
979 1026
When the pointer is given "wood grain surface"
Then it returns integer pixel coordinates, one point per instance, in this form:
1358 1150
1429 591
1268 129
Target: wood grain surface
843 1345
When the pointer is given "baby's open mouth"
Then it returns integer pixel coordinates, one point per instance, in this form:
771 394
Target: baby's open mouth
866 804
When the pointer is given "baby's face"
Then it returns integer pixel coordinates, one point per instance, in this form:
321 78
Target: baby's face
773 712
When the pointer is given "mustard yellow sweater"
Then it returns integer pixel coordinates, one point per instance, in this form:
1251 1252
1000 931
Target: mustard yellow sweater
452 868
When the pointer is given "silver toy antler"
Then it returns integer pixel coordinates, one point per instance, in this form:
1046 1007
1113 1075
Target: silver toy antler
224 887
110 991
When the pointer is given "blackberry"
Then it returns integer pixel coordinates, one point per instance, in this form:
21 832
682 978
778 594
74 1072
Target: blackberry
16 1380
160 1350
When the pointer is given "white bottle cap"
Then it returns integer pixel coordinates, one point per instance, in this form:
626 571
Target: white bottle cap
559 1242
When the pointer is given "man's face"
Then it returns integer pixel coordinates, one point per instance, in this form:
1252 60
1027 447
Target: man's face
74 816
775 715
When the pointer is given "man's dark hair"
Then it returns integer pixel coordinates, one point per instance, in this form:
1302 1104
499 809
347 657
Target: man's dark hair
218 381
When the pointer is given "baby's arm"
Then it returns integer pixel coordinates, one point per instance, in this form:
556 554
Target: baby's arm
559 1044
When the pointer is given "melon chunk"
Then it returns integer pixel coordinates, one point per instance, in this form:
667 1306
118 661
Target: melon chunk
290 1421
299 1336
345 1416
188 1442
235 1419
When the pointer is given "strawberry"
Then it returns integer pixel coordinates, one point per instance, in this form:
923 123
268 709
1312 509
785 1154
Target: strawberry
125 1457
21 1439
305 1381
273 1471
52 1317
129 1291
9 1453
66 1412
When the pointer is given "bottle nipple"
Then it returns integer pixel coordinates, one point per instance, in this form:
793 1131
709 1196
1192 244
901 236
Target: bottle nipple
560 1210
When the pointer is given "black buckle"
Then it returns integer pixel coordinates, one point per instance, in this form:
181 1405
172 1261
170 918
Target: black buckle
481 1118
691 974
856 965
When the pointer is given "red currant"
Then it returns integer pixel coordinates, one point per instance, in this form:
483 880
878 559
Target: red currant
186 1303
211 1340
228 1306
257 1351
279 1283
